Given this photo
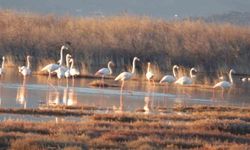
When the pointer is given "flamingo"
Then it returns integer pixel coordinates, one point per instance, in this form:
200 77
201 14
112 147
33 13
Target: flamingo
169 78
67 72
105 71
60 72
2 69
73 71
52 67
25 70
184 80
127 75
149 74
225 84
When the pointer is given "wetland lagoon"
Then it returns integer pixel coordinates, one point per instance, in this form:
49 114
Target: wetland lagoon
41 114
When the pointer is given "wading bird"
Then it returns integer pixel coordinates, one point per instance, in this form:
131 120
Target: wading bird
2 68
184 80
224 84
149 74
170 78
60 72
25 70
127 75
105 71
73 71
52 67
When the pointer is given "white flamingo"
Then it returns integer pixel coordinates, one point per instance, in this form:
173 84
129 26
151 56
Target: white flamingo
127 75
184 80
225 84
149 74
73 71
2 68
170 78
60 72
105 71
52 67
67 72
25 70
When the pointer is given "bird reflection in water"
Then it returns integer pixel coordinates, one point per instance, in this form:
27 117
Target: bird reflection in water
21 97
147 105
119 109
68 97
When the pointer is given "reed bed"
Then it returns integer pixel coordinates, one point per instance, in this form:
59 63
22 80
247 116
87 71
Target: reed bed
186 127
95 41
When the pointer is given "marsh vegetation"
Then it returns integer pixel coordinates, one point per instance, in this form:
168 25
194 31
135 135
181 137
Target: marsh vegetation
95 41
186 127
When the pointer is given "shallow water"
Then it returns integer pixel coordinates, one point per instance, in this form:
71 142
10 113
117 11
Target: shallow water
30 93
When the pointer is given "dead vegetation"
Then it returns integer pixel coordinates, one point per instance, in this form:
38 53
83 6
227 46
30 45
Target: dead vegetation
186 127
95 41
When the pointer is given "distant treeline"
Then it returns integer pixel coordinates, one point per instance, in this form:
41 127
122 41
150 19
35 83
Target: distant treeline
94 41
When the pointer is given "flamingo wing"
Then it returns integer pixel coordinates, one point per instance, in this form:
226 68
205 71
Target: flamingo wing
168 79
51 67
223 84
123 76
103 71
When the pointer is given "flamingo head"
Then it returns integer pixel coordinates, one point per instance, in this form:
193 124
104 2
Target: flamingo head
111 63
191 72
136 58
232 71
28 57
68 56
194 70
64 47
71 60
176 67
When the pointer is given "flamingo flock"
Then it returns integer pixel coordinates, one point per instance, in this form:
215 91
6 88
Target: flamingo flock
70 71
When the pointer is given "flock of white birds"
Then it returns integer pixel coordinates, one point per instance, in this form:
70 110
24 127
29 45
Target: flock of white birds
70 70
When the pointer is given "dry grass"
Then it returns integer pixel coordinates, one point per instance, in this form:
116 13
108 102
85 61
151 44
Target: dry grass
95 41
197 127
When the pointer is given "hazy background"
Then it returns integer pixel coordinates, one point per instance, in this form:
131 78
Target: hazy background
154 8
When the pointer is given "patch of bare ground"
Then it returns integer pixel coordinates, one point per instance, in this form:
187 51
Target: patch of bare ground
186 127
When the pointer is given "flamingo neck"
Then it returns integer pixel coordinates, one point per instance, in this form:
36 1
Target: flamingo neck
174 71
72 64
191 73
3 63
133 69
230 77
148 67
67 62
28 62
110 69
61 56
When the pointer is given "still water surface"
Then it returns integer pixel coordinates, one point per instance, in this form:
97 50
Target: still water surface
30 93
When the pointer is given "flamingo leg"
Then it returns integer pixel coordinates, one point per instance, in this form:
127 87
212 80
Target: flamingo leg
121 97
222 94
213 97
165 97
73 81
67 81
103 81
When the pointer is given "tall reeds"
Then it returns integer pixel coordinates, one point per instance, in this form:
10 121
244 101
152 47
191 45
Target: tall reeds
95 41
